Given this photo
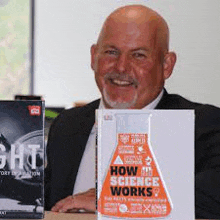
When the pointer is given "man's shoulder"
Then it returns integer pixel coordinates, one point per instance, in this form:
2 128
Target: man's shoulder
76 119
84 111
175 101
204 112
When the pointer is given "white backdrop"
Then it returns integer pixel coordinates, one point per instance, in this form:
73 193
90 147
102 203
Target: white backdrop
65 30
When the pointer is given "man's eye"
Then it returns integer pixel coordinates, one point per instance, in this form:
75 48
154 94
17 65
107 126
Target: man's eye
139 55
111 52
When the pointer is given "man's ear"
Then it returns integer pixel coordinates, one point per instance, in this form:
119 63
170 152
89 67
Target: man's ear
93 54
168 65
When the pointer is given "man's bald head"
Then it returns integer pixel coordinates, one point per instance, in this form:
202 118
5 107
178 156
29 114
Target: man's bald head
141 16
131 60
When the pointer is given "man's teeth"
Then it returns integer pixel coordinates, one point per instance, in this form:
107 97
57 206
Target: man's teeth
121 82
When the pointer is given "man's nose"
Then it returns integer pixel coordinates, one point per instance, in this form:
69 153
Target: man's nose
122 63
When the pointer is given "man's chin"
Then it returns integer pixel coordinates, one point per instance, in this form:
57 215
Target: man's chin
119 103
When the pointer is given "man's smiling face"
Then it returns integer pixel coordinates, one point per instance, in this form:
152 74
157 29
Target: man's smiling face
128 63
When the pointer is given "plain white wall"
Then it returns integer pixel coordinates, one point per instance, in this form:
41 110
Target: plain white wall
65 30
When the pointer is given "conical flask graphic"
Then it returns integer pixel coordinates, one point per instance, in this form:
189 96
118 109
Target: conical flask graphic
133 186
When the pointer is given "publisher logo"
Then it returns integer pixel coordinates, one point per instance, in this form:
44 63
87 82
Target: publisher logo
108 117
34 110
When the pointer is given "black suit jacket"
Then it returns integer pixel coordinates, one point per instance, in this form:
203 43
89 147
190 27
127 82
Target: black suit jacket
70 131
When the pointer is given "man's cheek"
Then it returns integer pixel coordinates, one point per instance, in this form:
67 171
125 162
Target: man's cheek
99 81
106 65
141 71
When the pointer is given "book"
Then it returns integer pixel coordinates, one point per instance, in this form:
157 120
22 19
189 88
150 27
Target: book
142 171
21 159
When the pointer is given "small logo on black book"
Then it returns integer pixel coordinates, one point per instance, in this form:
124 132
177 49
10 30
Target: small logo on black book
34 110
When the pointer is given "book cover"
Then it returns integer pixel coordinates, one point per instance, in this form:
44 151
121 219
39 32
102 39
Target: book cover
21 159
141 168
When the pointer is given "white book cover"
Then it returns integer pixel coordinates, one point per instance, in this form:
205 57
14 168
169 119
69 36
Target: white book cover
145 163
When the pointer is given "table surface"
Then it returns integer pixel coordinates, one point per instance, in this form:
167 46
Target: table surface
72 216
68 216
75 216
65 216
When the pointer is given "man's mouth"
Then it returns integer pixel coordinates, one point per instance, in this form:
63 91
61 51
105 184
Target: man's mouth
119 82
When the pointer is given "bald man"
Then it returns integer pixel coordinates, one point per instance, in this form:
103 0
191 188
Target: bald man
131 62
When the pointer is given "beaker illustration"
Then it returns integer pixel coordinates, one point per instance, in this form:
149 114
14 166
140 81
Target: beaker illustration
133 186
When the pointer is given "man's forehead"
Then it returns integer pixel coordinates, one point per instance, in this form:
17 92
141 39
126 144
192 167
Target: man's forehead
128 31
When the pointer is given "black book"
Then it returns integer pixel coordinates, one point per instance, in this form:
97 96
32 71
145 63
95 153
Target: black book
21 159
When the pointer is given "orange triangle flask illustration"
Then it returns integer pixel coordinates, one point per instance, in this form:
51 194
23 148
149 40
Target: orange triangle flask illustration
133 186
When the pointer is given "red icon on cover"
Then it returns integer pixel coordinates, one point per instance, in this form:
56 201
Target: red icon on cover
34 110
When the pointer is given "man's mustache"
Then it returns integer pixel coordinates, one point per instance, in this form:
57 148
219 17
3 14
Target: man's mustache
122 77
